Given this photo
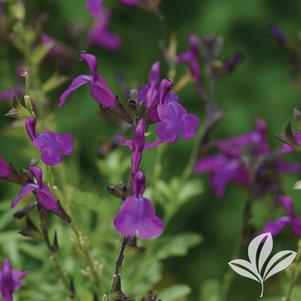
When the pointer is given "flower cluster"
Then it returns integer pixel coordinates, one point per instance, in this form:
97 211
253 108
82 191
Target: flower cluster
246 160
160 107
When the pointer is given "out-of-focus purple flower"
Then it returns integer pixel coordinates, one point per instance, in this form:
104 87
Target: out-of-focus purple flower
99 89
163 107
53 146
56 48
278 34
42 193
191 57
288 148
10 280
5 169
100 34
8 95
246 160
231 63
137 215
94 7
223 170
257 140
275 227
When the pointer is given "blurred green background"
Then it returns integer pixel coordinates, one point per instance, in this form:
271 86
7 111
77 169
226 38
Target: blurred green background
258 88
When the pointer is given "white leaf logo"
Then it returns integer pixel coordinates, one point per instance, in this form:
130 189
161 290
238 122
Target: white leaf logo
259 268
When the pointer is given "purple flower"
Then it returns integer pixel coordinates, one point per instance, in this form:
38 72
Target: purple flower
257 139
99 89
228 166
8 95
94 7
53 146
275 227
288 148
163 107
175 120
5 169
278 34
137 146
223 170
100 34
10 280
56 48
137 214
191 57
42 193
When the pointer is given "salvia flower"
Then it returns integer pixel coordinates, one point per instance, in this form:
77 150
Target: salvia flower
42 193
5 169
245 160
10 280
175 120
291 219
53 146
100 35
163 107
94 7
99 89
223 170
191 57
137 215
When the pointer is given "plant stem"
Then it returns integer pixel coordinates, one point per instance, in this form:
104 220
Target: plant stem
116 279
82 247
244 235
295 276
54 252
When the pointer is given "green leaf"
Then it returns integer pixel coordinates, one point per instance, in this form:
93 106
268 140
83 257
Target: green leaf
53 82
175 292
87 199
177 245
39 53
5 219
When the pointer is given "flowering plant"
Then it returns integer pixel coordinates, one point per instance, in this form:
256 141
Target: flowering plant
105 150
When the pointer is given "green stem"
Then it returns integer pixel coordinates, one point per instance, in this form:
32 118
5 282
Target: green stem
295 276
244 236
82 247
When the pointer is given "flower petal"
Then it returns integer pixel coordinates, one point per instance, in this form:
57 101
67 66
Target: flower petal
24 190
274 227
50 156
94 7
189 125
137 218
76 83
5 169
30 125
